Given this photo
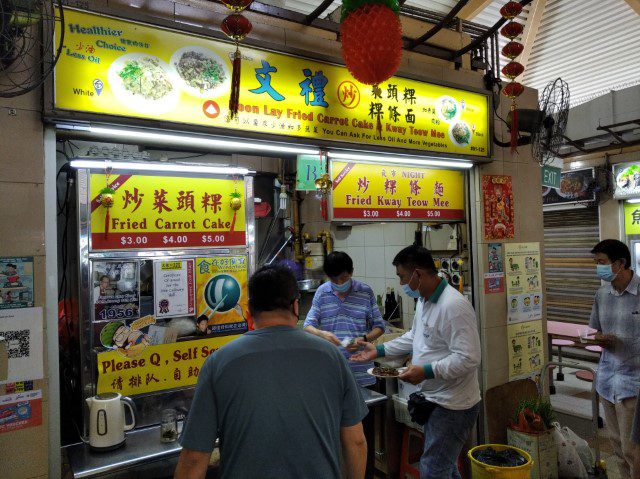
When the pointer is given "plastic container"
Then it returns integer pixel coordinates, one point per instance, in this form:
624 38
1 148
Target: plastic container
402 413
480 470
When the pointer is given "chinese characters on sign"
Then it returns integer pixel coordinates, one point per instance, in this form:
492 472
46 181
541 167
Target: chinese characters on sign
367 191
524 282
166 212
280 94
157 368
499 210
632 218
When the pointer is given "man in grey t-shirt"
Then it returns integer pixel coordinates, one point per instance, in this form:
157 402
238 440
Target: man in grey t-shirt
281 401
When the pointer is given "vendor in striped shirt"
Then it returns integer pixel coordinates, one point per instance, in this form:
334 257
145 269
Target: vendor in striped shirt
345 310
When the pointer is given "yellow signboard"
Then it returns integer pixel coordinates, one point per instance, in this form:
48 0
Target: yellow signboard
123 68
157 368
632 218
379 191
166 212
221 293
525 346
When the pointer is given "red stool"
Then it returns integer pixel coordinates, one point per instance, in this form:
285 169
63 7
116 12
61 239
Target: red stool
410 458
560 343
587 375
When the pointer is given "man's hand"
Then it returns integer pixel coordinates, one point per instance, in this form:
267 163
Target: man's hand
413 374
332 338
369 353
605 340
353 346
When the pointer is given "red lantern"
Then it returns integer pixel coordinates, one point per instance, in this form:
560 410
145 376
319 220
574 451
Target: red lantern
236 6
512 50
372 43
236 27
511 10
511 30
512 70
513 90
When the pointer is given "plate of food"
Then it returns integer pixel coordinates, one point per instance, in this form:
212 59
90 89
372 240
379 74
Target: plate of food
143 82
385 372
572 187
448 109
628 180
460 133
201 72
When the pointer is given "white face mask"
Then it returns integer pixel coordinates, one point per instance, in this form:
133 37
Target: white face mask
412 293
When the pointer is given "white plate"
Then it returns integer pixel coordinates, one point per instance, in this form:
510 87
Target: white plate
400 371
456 142
138 102
455 117
213 92
573 196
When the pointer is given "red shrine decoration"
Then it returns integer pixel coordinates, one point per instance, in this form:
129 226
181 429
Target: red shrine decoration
513 69
236 27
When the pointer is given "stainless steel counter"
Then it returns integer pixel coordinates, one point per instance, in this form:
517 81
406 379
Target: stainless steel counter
144 446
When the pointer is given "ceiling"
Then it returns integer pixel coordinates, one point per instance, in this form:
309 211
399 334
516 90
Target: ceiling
591 44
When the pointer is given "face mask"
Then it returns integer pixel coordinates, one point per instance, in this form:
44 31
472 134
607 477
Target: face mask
410 292
341 288
605 272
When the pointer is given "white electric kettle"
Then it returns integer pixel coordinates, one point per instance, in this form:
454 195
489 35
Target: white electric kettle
107 420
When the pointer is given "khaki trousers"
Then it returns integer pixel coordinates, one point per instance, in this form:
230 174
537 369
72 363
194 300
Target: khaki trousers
618 419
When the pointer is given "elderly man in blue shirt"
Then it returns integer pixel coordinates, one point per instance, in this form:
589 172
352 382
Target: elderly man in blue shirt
344 311
616 317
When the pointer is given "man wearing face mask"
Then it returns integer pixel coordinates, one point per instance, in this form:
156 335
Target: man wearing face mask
445 348
616 317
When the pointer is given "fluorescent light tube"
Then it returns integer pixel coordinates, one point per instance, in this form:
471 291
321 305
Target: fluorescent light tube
634 201
137 135
447 163
135 166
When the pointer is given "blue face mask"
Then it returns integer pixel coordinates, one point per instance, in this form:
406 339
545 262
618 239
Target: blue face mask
410 292
605 272
341 288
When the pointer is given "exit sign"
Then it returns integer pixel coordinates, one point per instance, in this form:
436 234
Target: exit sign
551 176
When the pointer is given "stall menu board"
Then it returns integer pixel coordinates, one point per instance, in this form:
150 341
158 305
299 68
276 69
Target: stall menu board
118 67
525 347
574 188
524 282
389 191
627 180
156 368
152 212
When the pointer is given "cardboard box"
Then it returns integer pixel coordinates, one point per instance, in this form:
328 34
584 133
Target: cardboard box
542 449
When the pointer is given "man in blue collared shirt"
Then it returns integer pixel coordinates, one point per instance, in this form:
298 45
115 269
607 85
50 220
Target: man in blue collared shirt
616 317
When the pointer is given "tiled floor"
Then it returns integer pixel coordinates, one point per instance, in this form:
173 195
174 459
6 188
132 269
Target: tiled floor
572 404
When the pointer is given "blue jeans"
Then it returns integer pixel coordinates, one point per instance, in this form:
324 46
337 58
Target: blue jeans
444 436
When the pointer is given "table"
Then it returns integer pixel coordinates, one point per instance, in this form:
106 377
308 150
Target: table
144 446
570 332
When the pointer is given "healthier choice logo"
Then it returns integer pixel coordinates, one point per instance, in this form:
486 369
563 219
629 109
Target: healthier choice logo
211 109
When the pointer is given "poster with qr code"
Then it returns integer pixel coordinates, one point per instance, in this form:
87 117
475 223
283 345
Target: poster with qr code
22 333
16 282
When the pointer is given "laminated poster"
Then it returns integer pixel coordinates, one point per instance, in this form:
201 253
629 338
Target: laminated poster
116 290
497 193
22 333
20 411
524 283
16 282
174 288
221 294
525 349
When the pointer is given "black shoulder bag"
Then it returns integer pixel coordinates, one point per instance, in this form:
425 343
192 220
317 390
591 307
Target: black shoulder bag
420 408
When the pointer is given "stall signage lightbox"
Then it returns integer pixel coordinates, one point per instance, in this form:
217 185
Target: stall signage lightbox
632 218
117 67
627 180
576 186
389 191
151 212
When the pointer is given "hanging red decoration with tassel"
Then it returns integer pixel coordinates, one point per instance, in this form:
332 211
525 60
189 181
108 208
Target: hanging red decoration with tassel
106 201
236 27
512 69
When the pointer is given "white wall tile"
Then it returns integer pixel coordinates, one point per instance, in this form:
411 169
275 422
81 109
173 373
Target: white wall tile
356 238
378 286
374 235
394 234
390 252
374 258
359 263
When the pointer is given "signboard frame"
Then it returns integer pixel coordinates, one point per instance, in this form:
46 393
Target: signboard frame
86 256
559 200
52 112
618 194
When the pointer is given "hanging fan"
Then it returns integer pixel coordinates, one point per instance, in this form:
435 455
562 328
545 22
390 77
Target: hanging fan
28 50
546 125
